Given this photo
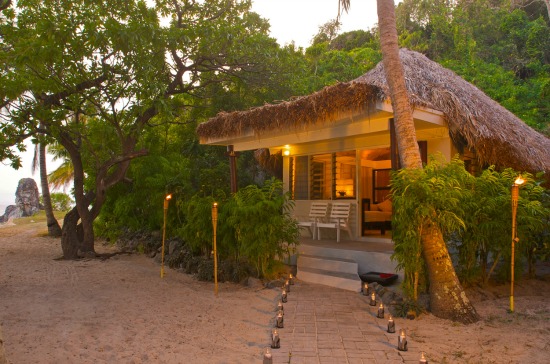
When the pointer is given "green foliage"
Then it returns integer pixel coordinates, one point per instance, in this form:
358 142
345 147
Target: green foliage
418 195
356 39
254 225
198 230
97 76
408 305
474 215
61 201
499 47
264 228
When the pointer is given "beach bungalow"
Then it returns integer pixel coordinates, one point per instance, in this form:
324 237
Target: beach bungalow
338 144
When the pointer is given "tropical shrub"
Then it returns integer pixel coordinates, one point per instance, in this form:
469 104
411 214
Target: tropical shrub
254 226
60 201
433 194
474 215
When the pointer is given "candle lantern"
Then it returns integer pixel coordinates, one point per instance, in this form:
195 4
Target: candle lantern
279 323
391 325
380 311
423 359
373 299
268 358
280 306
402 341
287 285
291 279
283 296
275 340
365 288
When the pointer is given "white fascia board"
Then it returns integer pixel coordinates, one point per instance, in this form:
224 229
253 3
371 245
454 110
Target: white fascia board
419 113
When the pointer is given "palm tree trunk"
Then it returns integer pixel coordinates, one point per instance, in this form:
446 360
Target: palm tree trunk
404 124
447 297
53 225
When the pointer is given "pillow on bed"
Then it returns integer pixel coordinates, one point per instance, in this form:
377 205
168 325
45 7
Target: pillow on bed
384 206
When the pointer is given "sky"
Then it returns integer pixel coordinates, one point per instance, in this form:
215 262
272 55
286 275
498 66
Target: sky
299 20
291 20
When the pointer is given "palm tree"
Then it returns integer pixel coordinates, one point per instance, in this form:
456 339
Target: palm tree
63 175
447 297
39 160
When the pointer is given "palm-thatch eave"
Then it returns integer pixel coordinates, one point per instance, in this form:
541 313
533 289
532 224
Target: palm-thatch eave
324 106
497 135
474 119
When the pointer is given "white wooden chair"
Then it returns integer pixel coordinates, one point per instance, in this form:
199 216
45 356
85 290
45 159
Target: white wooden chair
338 219
317 213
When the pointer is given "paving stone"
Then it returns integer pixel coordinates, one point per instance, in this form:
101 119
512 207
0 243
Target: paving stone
360 353
327 360
327 325
329 344
359 360
378 345
304 353
303 360
304 345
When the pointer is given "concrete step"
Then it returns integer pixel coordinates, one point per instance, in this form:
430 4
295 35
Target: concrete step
334 272
368 261
340 265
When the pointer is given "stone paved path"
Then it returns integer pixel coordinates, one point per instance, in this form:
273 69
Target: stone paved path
327 325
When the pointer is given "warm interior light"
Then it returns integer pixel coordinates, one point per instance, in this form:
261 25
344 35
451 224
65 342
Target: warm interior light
519 181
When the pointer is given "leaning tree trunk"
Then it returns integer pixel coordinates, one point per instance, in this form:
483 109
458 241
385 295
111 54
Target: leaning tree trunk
407 144
53 226
70 238
77 238
447 297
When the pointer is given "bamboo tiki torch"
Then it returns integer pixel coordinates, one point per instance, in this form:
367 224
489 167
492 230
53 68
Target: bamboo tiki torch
166 200
214 226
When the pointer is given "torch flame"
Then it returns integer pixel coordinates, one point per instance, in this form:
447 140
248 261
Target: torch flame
519 181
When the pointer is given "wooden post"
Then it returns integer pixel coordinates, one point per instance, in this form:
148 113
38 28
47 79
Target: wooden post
232 168
394 151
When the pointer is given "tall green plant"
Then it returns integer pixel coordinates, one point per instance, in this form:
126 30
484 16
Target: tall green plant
474 214
430 194
198 231
264 228
254 225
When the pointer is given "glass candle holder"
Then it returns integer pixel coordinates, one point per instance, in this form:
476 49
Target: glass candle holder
402 341
391 325
275 340
380 311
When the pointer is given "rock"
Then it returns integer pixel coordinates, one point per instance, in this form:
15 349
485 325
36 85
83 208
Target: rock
27 201
173 245
277 283
11 212
87 254
27 197
254 283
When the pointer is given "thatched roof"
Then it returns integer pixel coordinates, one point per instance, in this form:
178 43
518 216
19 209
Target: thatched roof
474 119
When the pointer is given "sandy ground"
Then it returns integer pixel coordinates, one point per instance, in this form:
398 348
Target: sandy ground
120 311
